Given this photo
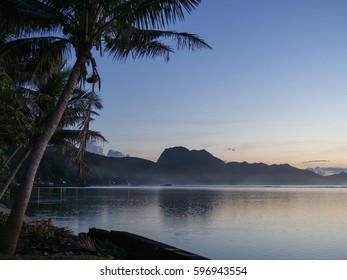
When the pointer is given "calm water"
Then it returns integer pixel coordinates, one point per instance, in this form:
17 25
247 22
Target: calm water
216 222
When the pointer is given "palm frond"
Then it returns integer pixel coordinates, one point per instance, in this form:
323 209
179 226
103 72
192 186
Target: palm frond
73 136
78 108
23 16
151 14
40 54
138 43
81 98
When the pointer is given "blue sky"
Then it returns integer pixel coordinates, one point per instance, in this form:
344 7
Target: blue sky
272 90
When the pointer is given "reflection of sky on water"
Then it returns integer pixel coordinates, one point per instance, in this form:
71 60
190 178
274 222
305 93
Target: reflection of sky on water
223 223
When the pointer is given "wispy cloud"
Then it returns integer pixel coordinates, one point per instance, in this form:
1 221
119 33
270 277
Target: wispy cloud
316 161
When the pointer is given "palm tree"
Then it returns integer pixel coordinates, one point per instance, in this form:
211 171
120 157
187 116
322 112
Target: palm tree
73 131
119 28
15 127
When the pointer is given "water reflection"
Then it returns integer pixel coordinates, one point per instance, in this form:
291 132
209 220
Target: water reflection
180 203
220 223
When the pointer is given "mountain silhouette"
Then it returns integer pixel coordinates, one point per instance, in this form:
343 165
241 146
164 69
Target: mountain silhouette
180 158
178 165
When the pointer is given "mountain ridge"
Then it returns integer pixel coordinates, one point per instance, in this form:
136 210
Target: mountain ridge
178 165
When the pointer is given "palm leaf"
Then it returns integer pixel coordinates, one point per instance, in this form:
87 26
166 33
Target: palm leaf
149 14
22 16
139 43
73 136
39 55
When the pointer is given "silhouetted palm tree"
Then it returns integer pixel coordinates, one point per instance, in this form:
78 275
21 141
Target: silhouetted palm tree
73 131
75 28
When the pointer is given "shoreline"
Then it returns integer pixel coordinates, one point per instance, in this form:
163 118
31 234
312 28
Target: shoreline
55 242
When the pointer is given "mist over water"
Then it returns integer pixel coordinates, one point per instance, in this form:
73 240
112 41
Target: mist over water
217 222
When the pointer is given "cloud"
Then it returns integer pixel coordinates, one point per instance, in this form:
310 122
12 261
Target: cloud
113 153
325 171
316 161
94 148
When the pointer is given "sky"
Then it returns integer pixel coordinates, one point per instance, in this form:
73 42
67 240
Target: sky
273 89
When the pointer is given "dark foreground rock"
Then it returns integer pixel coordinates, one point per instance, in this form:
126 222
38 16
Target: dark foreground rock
141 248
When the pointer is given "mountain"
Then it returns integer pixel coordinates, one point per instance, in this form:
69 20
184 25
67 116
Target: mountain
178 165
181 165
260 173
337 179
180 159
118 170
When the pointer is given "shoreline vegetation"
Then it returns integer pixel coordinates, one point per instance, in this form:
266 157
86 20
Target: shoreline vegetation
41 240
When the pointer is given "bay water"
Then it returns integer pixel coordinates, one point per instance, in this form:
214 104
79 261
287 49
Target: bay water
218 222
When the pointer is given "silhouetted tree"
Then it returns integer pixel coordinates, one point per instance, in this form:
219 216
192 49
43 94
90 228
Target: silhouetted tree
55 29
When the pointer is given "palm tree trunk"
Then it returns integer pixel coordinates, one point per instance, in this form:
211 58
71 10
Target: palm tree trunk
10 233
14 171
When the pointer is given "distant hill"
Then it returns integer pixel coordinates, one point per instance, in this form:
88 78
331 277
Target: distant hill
123 170
178 165
260 173
336 179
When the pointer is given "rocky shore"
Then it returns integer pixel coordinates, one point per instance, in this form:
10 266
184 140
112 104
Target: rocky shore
42 240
